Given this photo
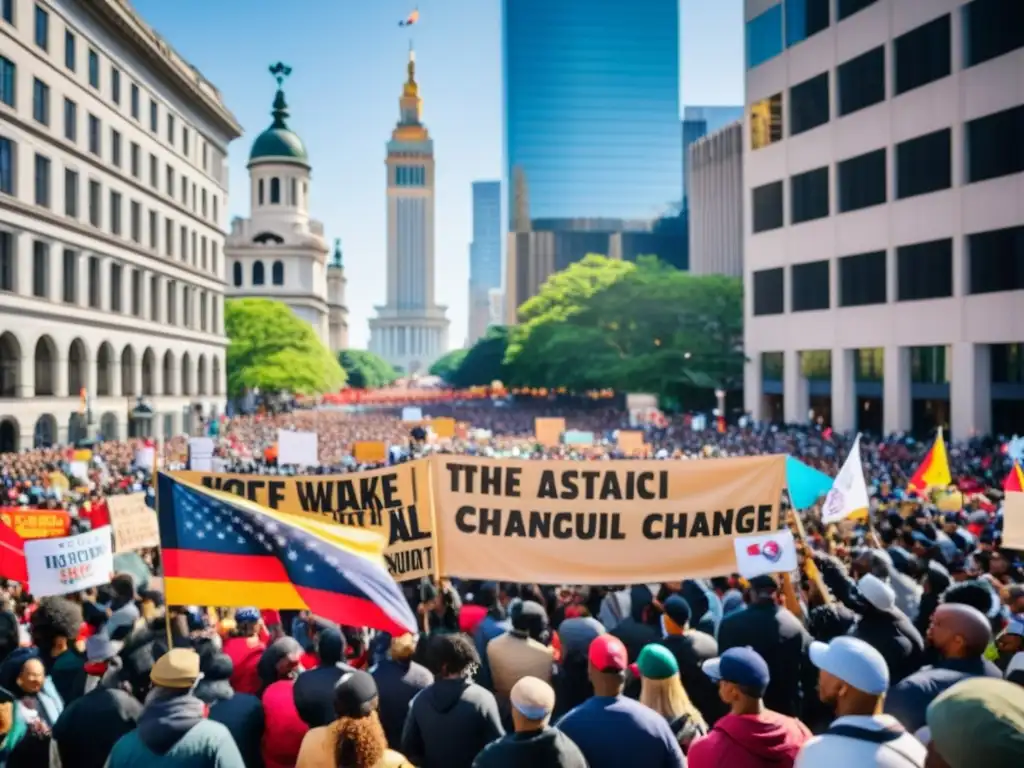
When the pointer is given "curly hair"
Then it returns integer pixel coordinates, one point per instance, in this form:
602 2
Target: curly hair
56 617
361 742
453 654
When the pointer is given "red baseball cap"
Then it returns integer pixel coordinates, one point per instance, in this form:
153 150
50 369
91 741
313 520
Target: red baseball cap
608 654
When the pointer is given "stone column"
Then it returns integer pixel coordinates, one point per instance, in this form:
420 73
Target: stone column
896 388
971 390
844 392
797 400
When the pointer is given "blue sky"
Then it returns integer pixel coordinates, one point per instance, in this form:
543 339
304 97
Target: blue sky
348 59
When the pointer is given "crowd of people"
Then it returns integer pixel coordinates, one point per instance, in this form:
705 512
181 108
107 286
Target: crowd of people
907 651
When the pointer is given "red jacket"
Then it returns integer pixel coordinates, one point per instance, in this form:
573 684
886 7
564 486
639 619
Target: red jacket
768 740
245 654
284 730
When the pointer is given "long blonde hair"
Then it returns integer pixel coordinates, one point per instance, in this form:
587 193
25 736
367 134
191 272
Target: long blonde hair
668 698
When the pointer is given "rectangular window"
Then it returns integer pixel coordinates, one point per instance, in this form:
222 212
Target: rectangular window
810 286
42 177
215 216
137 292
924 271
8 81
213 256
94 134
924 164
183 243
95 294
861 81
70 57
115 213
764 36
170 181
1007 363
154 111
766 121
70 274
184 141
805 18
115 85
170 130
70 193
70 120
172 304
184 191
154 172
115 287
862 279
186 307
153 230
136 160
195 248
154 298
845 8
862 181
203 324
202 244
94 69
40 101
206 156
994 145
42 29
923 55
991 28
115 148
95 204
135 100
136 221
996 260
930 365
40 269
6 262
204 203
770 291
808 104
8 153
809 195
767 204
168 237
7 10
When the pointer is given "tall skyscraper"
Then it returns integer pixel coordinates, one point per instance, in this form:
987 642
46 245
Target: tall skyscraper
410 331
698 122
484 255
591 91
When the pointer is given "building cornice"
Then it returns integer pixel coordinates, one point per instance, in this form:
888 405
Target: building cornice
123 19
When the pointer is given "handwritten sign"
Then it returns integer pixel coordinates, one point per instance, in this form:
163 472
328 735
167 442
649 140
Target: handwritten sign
70 563
135 524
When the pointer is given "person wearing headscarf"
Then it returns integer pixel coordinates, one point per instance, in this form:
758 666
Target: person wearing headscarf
399 678
23 674
355 739
278 668
662 690
977 722
245 648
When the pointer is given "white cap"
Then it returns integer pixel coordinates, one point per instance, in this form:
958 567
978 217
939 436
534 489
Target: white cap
854 662
877 592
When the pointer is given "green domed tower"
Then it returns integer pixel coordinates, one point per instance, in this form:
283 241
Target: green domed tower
279 144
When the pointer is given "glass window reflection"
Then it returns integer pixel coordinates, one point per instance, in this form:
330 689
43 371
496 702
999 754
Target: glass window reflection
764 37
766 121
805 18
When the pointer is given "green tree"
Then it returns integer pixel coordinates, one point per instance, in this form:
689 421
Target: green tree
366 370
484 362
445 366
270 348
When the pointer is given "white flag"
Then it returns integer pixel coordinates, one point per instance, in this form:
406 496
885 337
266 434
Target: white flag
765 553
849 493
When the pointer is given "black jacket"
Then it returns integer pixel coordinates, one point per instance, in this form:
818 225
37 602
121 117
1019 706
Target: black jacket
782 641
891 632
87 730
243 716
908 701
314 694
449 723
398 682
691 650
546 748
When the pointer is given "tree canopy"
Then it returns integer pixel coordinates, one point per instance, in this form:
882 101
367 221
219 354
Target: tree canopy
366 370
445 365
271 348
483 363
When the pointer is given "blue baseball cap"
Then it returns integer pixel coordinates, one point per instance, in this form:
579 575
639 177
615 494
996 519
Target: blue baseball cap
247 615
742 666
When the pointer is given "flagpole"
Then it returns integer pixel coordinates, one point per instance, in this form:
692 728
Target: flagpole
156 508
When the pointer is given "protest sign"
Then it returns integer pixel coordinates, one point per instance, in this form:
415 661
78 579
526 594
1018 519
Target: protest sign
299 448
578 437
70 563
1013 520
370 451
549 431
631 442
134 523
766 553
200 454
613 522
412 413
392 501
37 524
443 427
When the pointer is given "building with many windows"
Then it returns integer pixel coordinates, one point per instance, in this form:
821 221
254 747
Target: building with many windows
484 256
279 252
698 122
113 187
884 225
715 208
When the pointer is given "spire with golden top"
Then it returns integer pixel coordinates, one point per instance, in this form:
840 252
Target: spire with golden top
410 104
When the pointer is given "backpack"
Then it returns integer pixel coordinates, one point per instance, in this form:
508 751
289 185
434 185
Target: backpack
885 737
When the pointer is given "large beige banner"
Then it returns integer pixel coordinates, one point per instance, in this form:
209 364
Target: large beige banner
621 522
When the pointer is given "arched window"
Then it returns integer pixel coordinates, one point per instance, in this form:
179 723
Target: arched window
277 273
237 270
275 191
294 190
257 273
259 192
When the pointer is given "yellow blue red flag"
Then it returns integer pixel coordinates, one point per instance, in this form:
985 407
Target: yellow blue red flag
411 19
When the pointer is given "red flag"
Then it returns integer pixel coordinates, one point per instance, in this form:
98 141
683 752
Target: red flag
12 556
1015 480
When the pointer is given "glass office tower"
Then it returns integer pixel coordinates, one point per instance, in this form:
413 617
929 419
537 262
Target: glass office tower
591 92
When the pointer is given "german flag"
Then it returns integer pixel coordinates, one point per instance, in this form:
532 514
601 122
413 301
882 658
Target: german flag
1015 479
933 471
221 550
